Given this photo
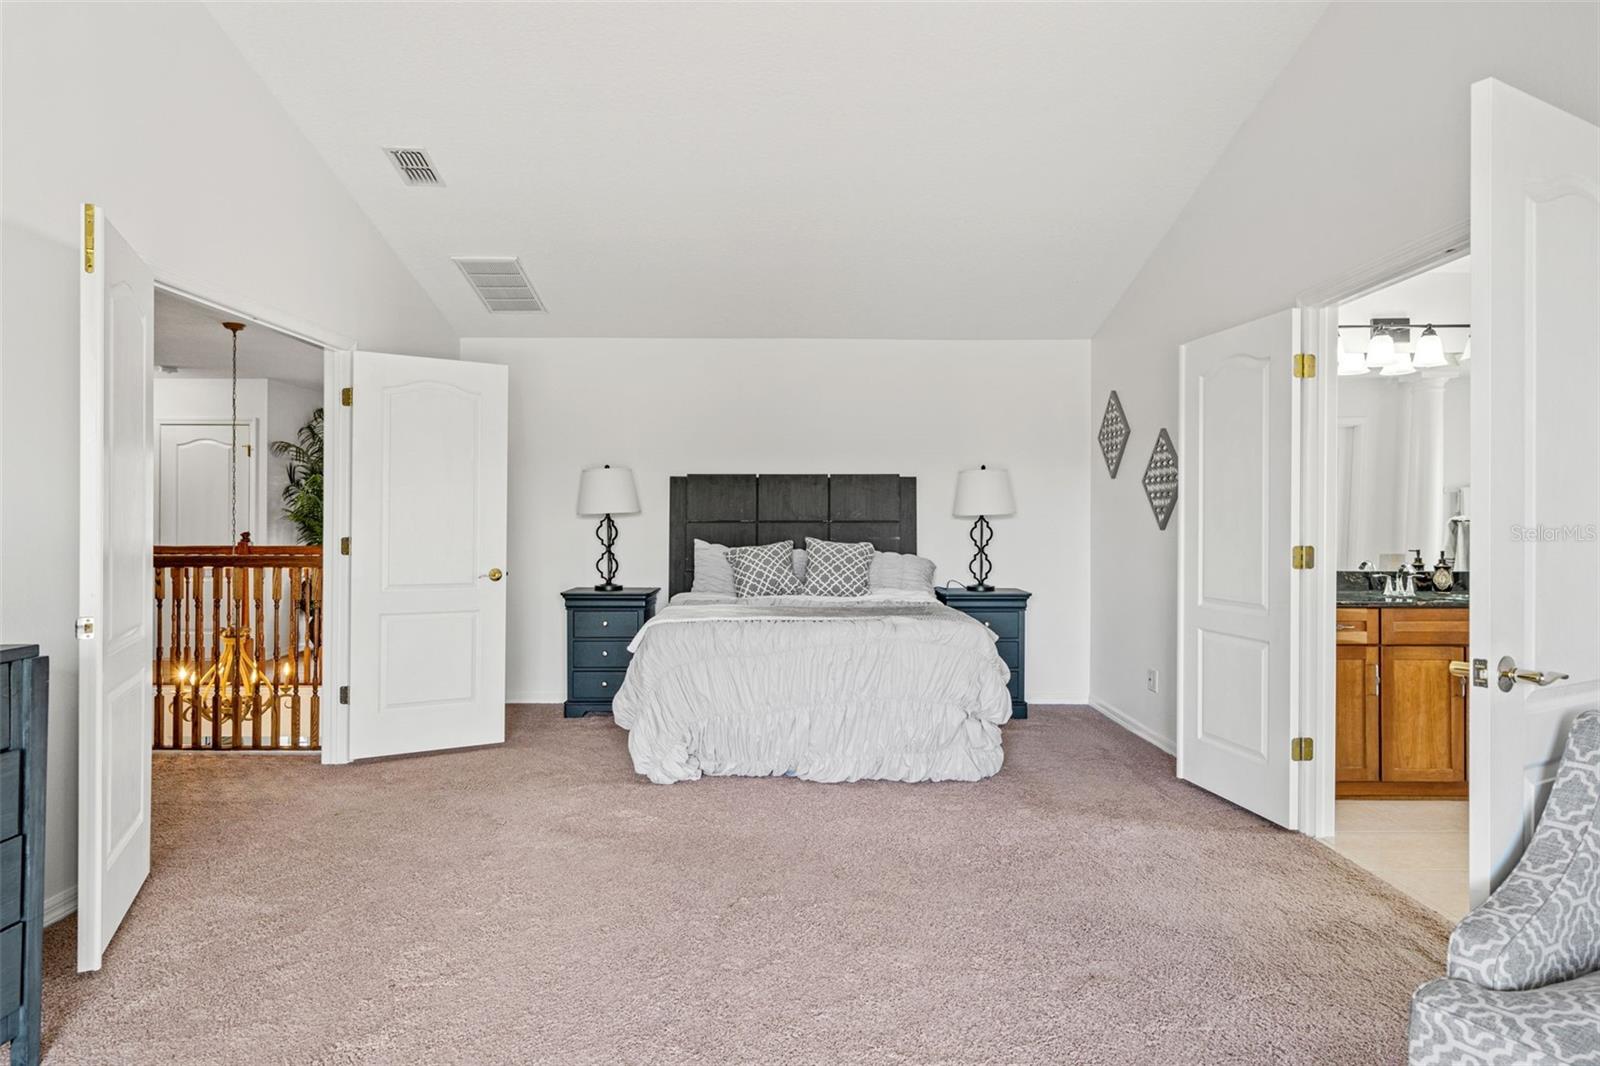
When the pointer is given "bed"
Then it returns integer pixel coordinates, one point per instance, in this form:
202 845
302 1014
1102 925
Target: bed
891 686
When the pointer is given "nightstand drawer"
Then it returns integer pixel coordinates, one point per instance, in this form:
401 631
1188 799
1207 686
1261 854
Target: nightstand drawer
1010 654
1014 686
11 969
10 794
596 684
600 654
11 881
1007 625
601 623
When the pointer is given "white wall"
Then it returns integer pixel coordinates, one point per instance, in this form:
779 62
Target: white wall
149 111
921 408
288 408
1359 149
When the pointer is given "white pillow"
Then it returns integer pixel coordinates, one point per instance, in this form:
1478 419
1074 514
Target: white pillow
712 571
906 573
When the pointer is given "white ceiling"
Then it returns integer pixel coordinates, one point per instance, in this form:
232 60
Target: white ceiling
190 337
907 170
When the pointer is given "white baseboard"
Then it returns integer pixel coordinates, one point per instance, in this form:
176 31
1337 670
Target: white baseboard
60 905
537 699
1134 726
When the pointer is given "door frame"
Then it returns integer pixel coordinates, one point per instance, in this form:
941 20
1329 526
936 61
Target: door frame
1317 477
337 356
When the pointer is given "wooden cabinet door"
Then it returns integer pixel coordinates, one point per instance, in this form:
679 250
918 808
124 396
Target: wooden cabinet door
1356 684
1424 735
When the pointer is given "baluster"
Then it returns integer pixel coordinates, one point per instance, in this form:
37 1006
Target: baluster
197 578
217 582
314 640
240 608
260 646
161 599
277 649
294 657
178 592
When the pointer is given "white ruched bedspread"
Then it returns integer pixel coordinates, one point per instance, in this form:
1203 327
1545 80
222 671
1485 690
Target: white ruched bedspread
840 690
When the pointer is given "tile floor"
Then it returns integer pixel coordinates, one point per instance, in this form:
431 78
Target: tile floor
1418 846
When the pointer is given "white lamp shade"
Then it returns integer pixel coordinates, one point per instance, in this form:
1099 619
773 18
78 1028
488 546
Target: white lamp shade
1380 350
1430 350
1352 361
1466 350
607 490
984 491
1399 368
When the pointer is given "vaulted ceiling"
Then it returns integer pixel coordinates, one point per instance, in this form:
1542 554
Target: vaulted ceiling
759 170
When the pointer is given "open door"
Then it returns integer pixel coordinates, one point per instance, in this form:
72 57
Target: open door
116 519
1236 450
1535 459
427 554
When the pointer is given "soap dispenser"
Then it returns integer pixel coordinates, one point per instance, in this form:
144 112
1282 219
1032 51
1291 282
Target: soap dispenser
1443 579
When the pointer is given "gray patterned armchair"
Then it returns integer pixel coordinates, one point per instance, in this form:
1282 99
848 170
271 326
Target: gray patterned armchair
1524 968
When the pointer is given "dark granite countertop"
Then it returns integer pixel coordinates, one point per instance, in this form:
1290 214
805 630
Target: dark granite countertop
1349 598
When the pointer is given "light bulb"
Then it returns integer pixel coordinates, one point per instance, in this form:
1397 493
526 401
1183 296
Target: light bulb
1380 350
1430 349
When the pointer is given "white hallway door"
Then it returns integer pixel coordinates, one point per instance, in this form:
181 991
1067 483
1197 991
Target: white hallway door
1535 458
192 482
427 554
116 529
1236 449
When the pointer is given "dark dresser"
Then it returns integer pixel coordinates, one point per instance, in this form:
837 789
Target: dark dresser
1006 612
24 701
599 627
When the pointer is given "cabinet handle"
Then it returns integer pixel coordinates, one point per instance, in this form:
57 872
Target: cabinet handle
605 684
605 655
1376 680
605 622
1342 626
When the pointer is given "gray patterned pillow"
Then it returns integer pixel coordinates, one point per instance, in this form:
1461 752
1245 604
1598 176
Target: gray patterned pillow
764 570
836 568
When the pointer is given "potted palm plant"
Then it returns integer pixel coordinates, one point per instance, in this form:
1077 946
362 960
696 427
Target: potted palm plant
302 496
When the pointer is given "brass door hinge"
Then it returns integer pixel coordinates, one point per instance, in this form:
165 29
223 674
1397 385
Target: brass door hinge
88 238
344 545
1303 557
1305 365
344 693
346 394
1300 749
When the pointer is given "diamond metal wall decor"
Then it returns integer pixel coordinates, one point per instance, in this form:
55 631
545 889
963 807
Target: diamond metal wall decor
1114 433
1161 479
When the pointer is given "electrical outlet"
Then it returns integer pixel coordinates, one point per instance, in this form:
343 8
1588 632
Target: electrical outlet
1152 680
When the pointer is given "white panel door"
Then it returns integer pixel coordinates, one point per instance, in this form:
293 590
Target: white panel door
116 526
1535 457
192 482
427 554
1235 454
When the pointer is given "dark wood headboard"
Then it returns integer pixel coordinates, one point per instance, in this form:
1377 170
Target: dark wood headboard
743 509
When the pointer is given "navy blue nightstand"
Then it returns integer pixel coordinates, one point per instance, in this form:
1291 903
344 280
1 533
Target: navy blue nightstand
1006 612
599 627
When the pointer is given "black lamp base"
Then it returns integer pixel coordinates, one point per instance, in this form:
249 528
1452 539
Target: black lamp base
982 533
606 533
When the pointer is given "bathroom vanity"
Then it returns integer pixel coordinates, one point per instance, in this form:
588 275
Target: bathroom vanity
1402 716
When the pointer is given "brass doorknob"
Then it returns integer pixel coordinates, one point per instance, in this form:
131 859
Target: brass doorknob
1460 668
1510 675
495 573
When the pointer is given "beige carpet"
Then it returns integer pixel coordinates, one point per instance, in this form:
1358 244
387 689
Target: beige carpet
539 903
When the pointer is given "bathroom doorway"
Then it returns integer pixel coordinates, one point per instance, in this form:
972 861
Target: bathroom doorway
1401 551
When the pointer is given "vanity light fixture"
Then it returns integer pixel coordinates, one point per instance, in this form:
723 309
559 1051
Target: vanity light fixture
1380 351
1352 362
1430 350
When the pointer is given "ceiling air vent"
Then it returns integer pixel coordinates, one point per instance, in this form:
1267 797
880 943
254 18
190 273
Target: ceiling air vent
414 166
500 284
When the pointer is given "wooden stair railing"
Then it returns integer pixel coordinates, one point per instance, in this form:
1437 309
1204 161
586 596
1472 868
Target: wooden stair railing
238 659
